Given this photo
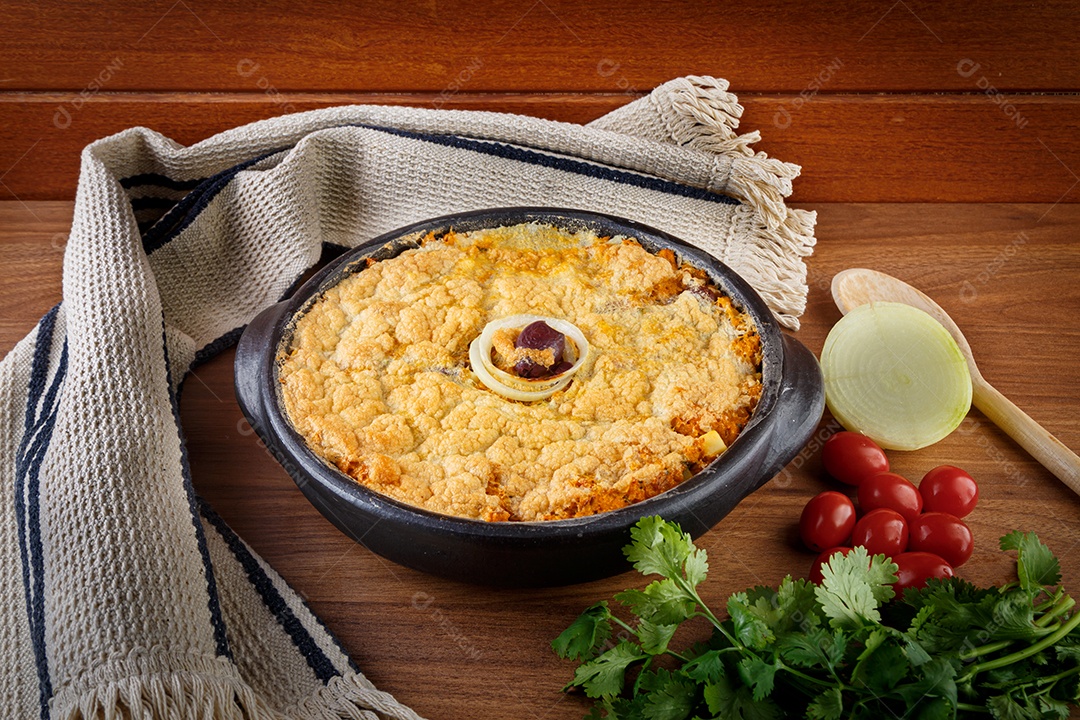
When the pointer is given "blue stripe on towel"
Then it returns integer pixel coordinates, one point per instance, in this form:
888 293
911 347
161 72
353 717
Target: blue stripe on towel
35 442
564 163
316 659
160 180
37 554
219 345
38 371
221 638
189 207
337 643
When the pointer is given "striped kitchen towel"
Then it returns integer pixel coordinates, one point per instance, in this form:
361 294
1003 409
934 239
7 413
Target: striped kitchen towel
125 596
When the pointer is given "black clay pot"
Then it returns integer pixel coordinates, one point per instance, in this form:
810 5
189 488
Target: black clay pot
532 553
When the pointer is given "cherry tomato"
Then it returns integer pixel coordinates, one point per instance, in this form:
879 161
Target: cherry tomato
815 570
944 535
851 457
881 531
949 489
827 520
915 568
889 490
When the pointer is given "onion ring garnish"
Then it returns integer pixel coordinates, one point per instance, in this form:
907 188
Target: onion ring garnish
512 386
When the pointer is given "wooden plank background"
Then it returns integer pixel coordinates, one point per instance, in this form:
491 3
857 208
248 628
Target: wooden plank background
894 101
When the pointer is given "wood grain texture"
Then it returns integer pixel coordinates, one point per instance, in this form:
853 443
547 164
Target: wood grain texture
600 46
1009 275
853 148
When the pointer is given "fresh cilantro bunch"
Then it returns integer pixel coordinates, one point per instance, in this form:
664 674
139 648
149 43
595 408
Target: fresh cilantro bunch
845 649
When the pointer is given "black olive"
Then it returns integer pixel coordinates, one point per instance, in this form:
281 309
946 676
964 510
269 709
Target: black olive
540 336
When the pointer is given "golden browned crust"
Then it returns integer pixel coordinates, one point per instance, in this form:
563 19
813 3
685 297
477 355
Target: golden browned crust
377 378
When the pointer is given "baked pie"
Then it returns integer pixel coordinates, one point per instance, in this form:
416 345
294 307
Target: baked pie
521 373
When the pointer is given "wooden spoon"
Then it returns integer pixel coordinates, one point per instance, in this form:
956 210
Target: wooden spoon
858 286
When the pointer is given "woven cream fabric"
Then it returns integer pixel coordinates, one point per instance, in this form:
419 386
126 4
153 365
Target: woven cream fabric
125 596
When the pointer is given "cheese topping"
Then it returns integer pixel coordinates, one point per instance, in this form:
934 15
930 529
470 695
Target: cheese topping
377 379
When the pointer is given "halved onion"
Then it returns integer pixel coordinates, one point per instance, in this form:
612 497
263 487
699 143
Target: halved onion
519 388
896 375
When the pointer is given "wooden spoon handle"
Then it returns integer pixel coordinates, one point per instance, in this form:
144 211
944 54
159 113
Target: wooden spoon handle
1031 436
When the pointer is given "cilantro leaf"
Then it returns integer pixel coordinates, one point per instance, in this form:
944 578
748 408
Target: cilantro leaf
673 699
849 602
1052 707
617 708
717 695
650 679
953 620
797 605
882 663
661 548
654 638
922 617
595 712
936 709
1004 707
761 614
604 675
728 701
819 647
1036 566
750 627
915 652
585 635
758 675
1068 652
873 641
662 601
705 668
1010 616
829 705
854 587
938 679
765 603
696 565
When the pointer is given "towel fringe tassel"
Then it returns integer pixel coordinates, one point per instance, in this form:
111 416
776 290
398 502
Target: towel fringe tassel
350 697
700 112
196 696
763 183
773 259
165 696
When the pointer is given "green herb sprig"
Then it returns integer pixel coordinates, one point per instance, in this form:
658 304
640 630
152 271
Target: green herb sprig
845 649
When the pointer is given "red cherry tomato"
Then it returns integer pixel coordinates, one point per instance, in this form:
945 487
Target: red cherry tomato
827 520
950 490
851 457
889 490
815 570
915 568
881 531
944 535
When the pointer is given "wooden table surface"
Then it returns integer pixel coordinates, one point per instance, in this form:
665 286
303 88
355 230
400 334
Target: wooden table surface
1008 274
919 125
